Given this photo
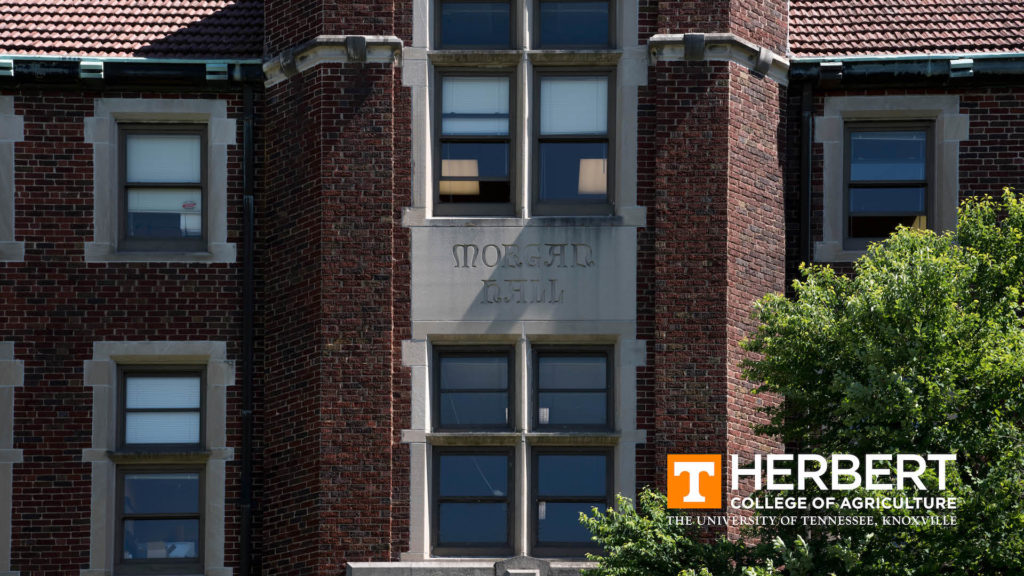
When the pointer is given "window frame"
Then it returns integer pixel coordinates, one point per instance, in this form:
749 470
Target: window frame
851 127
538 45
473 351
435 503
126 244
158 565
537 351
123 372
605 207
513 24
564 549
473 208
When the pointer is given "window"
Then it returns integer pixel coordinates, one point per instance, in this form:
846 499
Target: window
159 523
163 178
565 483
472 487
475 24
475 145
473 389
571 390
887 180
574 24
572 151
886 160
483 162
475 461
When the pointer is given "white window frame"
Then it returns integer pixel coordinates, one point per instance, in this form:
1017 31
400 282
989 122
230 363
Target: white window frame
12 376
101 375
950 127
101 130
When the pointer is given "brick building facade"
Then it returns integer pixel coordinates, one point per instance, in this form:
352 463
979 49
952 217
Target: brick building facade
400 286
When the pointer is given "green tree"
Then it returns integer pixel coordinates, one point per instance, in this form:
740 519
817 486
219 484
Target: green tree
920 350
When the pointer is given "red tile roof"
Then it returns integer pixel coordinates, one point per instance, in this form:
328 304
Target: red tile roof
853 27
202 29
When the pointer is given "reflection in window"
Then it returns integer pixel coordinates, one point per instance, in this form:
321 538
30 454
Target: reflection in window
888 183
475 144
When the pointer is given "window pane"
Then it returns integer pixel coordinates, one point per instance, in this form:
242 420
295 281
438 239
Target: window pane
163 158
466 372
572 408
574 24
560 521
897 155
883 226
161 494
475 106
161 428
146 539
886 200
573 171
470 409
475 24
473 523
582 372
162 391
571 475
576 105
164 213
483 475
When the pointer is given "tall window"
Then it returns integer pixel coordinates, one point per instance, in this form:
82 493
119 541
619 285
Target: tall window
475 145
476 467
159 500
480 166
163 182
887 176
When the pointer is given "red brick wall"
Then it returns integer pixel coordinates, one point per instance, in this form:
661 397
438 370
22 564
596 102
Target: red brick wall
54 306
756 241
330 427
288 23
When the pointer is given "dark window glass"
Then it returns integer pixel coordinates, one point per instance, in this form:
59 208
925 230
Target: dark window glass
567 484
568 24
887 155
473 506
479 25
572 390
473 523
160 516
574 171
475 143
473 390
887 182
161 494
474 475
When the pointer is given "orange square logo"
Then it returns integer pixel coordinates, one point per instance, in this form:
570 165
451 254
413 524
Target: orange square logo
694 480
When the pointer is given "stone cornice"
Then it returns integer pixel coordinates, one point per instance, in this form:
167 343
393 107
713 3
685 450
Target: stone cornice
721 47
332 49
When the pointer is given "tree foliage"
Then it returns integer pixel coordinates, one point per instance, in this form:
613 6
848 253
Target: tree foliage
920 350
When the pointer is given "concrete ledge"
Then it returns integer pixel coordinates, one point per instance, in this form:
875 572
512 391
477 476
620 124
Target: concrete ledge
720 47
332 49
